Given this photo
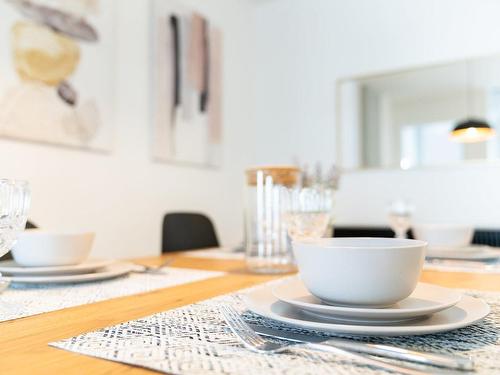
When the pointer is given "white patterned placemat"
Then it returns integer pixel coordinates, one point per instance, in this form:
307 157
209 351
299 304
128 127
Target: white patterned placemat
450 265
25 300
195 340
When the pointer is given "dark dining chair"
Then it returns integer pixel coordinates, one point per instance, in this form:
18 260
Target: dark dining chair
187 231
489 237
366 231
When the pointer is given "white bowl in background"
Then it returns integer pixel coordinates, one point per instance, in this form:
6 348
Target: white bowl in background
371 272
36 248
444 235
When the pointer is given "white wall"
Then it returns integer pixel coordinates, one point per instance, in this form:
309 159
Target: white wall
123 195
304 46
281 62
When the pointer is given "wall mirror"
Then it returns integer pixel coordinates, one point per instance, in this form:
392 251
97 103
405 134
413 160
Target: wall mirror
431 116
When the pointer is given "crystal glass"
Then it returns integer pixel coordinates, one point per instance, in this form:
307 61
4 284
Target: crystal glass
308 211
14 205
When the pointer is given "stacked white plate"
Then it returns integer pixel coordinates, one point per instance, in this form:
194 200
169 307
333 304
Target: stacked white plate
90 270
471 252
429 309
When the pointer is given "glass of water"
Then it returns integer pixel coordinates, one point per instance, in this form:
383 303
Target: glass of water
308 211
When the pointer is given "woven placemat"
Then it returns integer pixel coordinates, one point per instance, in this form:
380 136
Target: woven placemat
22 300
196 340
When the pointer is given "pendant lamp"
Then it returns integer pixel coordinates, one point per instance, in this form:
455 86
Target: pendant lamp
471 130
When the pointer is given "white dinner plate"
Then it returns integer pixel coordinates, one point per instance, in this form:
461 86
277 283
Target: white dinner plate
111 271
425 300
10 267
476 252
468 311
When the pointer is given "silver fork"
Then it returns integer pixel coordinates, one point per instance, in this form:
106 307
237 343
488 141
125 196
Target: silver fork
153 269
252 341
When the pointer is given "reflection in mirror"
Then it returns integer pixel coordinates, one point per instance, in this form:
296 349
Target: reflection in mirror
406 119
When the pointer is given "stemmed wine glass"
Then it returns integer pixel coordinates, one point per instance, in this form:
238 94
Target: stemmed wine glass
14 205
400 217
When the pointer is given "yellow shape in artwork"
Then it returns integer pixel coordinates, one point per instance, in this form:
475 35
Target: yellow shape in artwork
41 54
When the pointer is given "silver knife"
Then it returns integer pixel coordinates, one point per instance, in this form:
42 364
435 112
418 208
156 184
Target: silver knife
440 360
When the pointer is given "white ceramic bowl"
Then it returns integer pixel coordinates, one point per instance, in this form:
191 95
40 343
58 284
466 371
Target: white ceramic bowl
36 248
371 272
444 235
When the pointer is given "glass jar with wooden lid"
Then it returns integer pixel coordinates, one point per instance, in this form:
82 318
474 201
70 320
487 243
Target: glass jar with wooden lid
268 246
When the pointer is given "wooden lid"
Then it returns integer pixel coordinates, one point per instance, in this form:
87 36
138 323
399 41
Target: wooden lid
287 175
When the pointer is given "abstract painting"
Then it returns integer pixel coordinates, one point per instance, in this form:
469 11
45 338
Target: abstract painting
187 86
56 72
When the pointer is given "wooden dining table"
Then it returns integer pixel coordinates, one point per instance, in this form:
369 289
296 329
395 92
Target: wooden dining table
24 342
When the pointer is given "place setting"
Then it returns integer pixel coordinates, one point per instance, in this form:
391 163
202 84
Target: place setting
41 257
450 246
44 257
365 287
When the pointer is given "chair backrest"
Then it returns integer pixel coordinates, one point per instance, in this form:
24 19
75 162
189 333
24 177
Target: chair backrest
490 237
362 231
187 231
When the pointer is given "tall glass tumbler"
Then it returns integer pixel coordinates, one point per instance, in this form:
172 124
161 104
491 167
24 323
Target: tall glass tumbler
268 245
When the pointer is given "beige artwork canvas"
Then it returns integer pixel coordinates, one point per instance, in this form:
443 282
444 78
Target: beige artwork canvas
56 60
187 86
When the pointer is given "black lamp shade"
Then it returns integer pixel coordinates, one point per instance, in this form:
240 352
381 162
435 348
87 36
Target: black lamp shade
472 130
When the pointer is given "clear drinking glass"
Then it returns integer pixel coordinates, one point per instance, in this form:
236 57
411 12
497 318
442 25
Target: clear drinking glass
268 246
308 211
14 205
